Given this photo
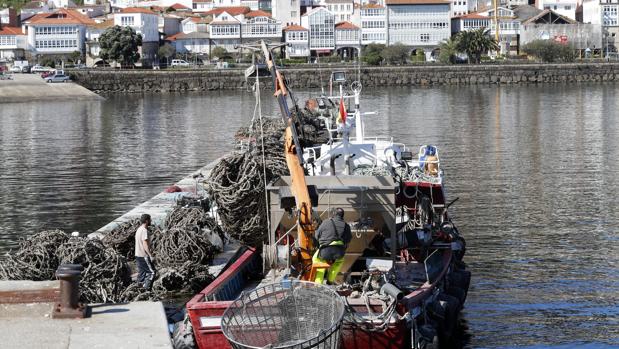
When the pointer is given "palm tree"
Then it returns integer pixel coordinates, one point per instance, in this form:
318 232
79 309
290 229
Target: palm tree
448 50
475 43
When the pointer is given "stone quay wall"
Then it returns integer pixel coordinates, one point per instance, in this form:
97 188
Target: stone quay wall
123 81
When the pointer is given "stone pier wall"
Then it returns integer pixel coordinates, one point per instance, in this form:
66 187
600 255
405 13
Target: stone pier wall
311 77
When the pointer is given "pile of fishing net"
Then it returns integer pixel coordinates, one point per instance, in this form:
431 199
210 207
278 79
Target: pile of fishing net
182 250
35 257
237 183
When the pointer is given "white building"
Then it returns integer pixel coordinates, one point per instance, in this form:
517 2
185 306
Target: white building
321 25
472 21
195 24
196 42
347 40
373 24
201 5
123 3
144 22
509 28
12 43
232 26
287 12
606 14
297 39
459 7
566 8
341 9
418 23
93 33
57 33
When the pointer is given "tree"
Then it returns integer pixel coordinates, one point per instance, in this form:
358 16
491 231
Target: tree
549 51
75 56
120 44
395 54
447 53
475 42
419 56
166 51
372 54
220 52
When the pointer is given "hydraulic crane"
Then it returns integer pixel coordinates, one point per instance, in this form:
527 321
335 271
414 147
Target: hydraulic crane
294 160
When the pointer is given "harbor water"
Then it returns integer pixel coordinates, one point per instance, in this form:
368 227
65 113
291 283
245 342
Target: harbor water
536 169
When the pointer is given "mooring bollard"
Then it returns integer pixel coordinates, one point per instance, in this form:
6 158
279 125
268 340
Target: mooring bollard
69 306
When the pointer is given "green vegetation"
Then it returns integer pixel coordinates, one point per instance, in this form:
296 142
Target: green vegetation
395 54
220 53
166 51
448 51
120 44
419 56
475 43
372 54
549 51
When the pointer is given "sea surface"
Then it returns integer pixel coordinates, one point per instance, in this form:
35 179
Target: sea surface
536 169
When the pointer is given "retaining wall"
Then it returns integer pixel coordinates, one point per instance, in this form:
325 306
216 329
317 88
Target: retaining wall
311 77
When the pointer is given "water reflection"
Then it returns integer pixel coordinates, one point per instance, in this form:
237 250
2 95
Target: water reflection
535 167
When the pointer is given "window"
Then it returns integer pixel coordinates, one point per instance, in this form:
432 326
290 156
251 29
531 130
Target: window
8 40
126 21
424 37
568 7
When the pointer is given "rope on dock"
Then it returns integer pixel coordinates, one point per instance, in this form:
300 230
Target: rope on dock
236 183
35 258
122 238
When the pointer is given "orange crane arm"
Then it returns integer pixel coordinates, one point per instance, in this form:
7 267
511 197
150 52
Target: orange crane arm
294 160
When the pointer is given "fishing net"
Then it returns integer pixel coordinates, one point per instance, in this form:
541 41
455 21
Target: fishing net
122 238
35 258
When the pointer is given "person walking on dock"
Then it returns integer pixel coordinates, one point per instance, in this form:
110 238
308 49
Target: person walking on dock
143 254
333 236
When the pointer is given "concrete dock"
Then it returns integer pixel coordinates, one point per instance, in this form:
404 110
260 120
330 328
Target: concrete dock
31 87
132 325
159 206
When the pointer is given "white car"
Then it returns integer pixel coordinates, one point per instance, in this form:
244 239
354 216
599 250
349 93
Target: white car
57 78
15 69
40 69
179 63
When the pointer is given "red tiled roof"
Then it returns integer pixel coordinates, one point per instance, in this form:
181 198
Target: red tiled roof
137 10
5 30
62 16
345 25
178 6
103 25
232 10
202 1
372 6
415 2
294 27
257 13
173 37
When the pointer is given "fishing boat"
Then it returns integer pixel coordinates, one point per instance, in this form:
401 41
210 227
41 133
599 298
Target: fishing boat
403 279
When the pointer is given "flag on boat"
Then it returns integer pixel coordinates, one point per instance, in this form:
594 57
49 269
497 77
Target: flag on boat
342 117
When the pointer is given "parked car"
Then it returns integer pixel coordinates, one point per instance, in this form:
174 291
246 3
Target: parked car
179 63
47 74
57 78
15 69
25 69
37 69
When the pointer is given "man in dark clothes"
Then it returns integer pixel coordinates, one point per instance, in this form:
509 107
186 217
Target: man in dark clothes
333 237
143 253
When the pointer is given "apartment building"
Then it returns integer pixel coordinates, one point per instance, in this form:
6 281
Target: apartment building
373 22
342 9
471 21
418 23
321 25
297 39
57 33
566 8
347 40
146 23
287 12
232 26
12 43
604 13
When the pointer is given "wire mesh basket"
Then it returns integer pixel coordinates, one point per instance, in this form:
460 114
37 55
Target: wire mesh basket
292 314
